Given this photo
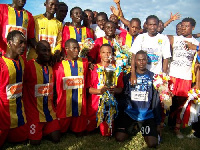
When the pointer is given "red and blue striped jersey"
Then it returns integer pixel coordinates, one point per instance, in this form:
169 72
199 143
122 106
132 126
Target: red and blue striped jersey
71 87
38 92
12 19
11 104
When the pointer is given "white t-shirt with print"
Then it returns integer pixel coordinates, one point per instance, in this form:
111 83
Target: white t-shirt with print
157 48
181 65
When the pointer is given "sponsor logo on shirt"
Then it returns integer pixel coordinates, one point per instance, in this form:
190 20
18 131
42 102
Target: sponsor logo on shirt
14 90
72 82
50 39
43 89
10 28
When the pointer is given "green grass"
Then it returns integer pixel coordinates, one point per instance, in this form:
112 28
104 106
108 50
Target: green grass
96 142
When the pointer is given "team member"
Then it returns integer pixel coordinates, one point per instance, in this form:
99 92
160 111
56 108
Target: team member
62 12
38 96
70 76
97 88
13 120
15 17
76 30
181 69
156 45
142 104
109 29
48 28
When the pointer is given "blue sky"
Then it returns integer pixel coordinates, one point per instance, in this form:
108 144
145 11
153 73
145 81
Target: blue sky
131 8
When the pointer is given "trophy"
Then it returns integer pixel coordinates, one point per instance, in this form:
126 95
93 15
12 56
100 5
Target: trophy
109 76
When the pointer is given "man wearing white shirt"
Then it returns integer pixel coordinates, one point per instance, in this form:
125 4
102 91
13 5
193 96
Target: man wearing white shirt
155 44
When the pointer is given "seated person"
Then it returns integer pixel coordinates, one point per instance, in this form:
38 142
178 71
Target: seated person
142 105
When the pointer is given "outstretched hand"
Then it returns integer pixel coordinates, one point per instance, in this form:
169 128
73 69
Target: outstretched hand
175 17
115 11
116 1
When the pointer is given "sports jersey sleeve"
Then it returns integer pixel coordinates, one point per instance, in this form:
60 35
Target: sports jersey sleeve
59 39
166 48
136 46
65 35
93 53
31 26
120 83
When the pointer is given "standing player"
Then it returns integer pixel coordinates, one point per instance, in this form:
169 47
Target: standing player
76 30
97 88
62 12
48 28
181 69
38 96
15 17
156 45
70 75
142 105
13 121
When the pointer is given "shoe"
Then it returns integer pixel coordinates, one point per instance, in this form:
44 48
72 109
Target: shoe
191 136
179 135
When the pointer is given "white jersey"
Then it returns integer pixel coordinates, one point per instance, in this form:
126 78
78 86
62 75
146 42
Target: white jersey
157 48
181 65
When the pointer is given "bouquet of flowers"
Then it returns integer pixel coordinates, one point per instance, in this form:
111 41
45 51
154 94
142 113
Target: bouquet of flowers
161 83
191 108
86 46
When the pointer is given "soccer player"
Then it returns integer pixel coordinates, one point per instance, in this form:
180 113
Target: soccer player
13 125
15 17
48 28
109 29
141 105
76 30
178 29
156 45
97 88
62 12
88 18
180 69
70 78
129 36
38 96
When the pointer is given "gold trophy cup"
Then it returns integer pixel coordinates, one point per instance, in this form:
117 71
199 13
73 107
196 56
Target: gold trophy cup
109 76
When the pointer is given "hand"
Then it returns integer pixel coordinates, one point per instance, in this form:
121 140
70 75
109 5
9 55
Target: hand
175 17
115 11
189 46
103 89
112 89
90 66
133 79
116 1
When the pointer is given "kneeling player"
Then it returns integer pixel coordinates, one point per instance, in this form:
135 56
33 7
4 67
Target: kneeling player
38 96
142 105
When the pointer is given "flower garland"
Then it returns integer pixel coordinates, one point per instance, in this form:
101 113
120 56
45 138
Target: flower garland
161 83
191 109
86 46
122 55
107 108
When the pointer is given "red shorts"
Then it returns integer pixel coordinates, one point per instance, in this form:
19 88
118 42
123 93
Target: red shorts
39 129
180 87
76 124
18 134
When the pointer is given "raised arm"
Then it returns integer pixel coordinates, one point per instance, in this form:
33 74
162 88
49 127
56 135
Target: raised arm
117 2
172 18
117 13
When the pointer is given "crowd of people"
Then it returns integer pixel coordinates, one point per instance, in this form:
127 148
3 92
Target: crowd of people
46 88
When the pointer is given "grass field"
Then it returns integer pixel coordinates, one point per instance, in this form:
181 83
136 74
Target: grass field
96 142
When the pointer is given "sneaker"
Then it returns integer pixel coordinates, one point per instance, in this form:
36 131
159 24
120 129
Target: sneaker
191 136
179 135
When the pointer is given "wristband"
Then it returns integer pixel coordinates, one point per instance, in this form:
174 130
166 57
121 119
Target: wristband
197 48
198 58
119 17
